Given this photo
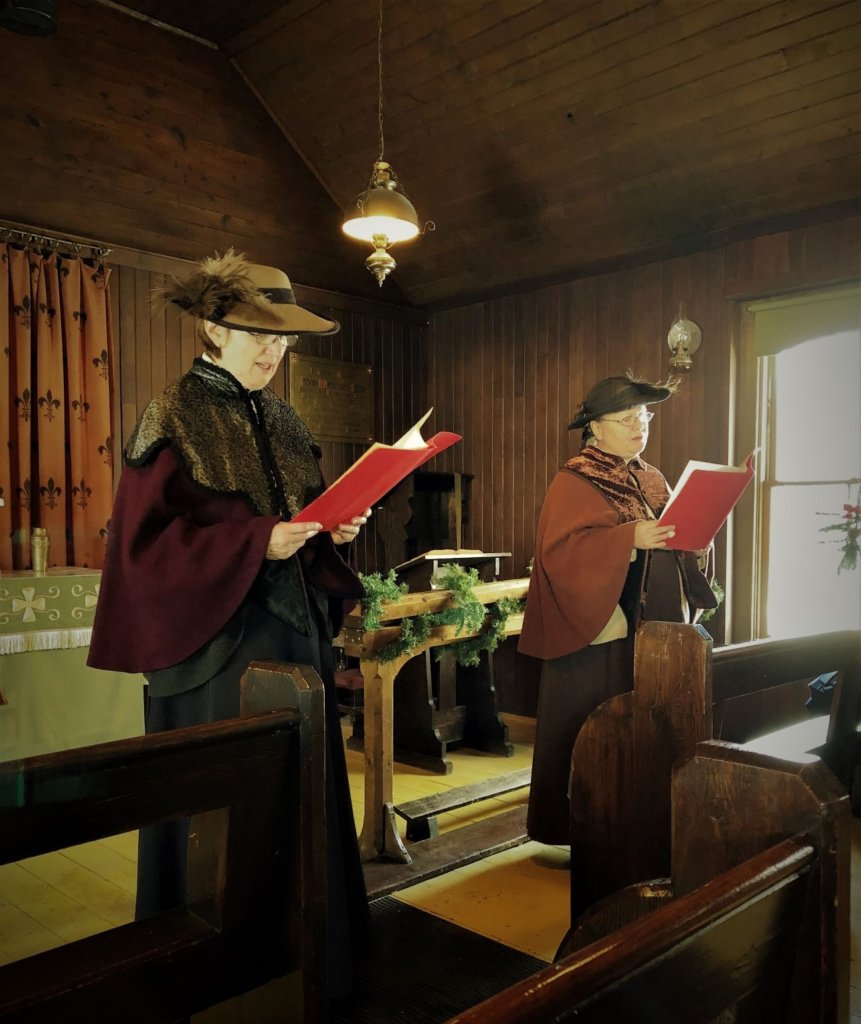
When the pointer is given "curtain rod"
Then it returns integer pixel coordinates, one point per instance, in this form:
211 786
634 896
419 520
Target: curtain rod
25 237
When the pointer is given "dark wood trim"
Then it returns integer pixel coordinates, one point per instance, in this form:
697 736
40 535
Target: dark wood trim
679 247
156 263
795 281
743 596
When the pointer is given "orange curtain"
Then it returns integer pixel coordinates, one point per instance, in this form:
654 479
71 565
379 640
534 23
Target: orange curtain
55 407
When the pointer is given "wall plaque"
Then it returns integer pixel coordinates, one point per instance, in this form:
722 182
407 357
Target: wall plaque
333 397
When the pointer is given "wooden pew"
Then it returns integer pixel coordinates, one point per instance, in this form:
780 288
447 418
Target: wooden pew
256 860
623 757
768 675
757 931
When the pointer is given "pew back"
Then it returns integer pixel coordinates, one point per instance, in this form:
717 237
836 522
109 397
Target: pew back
245 865
758 928
726 944
760 668
622 763
623 757
729 804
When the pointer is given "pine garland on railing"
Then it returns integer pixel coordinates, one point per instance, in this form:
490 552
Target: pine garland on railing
464 611
379 588
468 652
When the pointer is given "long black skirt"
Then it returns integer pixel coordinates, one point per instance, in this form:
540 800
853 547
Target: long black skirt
162 848
571 688
574 685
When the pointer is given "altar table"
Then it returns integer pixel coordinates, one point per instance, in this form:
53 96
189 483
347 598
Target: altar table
50 699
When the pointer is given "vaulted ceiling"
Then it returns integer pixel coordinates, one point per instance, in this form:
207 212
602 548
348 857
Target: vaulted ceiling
552 138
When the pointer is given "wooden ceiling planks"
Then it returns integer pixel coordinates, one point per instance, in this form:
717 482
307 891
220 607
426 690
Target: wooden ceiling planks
214 22
546 136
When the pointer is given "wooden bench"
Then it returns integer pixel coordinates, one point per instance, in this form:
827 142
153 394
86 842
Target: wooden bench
623 757
770 678
256 860
757 929
421 815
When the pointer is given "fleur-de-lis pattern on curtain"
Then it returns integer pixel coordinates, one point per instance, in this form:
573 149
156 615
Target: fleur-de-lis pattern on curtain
55 407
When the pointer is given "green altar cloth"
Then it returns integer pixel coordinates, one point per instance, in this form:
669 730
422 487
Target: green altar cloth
49 698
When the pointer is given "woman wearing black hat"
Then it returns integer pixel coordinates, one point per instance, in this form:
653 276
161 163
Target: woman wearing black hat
204 572
599 572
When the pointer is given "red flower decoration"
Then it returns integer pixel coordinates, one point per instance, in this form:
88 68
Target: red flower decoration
850 528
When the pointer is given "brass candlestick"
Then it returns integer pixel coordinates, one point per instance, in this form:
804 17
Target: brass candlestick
40 542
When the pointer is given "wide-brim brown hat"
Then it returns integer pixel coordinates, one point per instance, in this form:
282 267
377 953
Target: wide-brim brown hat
613 394
230 291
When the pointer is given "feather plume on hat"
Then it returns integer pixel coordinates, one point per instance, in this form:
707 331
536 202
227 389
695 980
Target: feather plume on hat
616 393
230 291
217 285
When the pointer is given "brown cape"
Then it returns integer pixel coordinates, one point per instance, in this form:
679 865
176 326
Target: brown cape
582 557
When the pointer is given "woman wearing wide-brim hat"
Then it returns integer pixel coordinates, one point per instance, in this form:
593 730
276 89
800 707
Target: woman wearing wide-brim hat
204 572
599 571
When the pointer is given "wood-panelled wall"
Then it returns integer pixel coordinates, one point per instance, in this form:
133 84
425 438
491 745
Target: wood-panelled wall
117 131
508 375
155 346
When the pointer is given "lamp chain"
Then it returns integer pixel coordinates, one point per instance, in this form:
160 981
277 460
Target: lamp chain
380 78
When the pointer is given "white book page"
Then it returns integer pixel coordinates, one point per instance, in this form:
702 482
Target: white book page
713 466
413 437
412 440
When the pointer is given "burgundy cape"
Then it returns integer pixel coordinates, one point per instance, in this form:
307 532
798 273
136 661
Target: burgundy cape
188 536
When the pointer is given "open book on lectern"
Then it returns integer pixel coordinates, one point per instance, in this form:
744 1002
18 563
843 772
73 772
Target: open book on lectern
374 474
702 501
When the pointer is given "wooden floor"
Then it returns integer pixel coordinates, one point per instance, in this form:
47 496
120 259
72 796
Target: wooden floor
518 897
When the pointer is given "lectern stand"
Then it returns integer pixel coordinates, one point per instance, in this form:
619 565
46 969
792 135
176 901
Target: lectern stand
418 572
440 703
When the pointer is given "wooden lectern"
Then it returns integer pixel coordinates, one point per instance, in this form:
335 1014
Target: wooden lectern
418 572
440 703
380 836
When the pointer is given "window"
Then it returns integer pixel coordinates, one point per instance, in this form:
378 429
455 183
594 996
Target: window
812 466
805 357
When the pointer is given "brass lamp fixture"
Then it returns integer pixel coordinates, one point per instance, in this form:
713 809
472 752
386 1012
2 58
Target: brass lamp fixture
385 215
684 339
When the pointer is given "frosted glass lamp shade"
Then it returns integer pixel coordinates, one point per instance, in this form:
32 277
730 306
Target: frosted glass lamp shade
383 211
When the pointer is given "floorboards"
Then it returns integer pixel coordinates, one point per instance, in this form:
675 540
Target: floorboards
456 969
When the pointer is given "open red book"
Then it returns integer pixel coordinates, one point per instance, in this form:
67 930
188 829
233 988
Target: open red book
374 474
702 501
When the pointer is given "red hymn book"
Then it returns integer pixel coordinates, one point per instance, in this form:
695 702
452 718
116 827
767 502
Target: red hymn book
702 501
374 474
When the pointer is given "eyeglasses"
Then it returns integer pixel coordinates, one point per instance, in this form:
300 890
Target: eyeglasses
632 419
263 338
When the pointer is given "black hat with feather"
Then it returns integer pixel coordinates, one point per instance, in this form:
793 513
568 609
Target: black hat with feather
614 394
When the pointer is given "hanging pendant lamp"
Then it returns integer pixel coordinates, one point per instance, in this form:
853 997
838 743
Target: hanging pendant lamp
385 215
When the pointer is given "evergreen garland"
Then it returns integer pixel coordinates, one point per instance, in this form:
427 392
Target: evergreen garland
415 630
718 592
468 652
464 611
378 589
